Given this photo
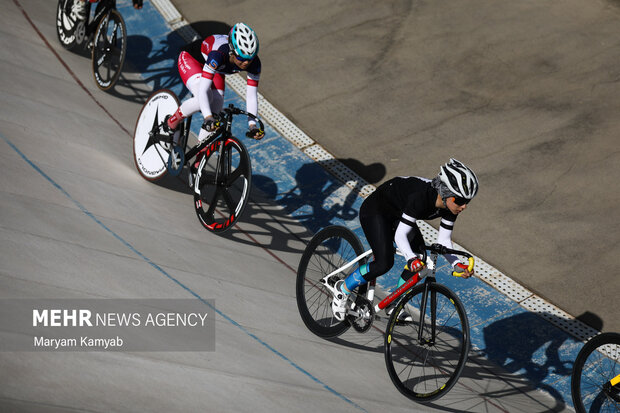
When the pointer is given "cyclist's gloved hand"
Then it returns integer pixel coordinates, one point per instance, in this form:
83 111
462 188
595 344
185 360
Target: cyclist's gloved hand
415 265
463 268
209 124
255 133
137 4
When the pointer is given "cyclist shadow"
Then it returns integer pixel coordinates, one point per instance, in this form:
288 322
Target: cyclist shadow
265 222
523 354
318 199
149 67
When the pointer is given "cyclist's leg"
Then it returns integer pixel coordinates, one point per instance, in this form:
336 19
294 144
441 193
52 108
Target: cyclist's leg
190 72
378 231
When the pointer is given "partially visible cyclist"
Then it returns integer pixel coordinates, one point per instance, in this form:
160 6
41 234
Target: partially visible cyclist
78 10
222 55
389 215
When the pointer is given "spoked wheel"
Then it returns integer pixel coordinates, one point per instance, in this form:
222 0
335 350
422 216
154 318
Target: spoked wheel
70 31
150 153
424 368
109 49
328 250
222 184
595 382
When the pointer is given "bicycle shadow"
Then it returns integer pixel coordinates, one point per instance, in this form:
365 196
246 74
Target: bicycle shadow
485 386
264 221
523 354
149 67
319 199
525 349
305 205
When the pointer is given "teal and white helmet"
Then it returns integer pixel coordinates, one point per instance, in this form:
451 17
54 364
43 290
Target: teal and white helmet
459 179
243 42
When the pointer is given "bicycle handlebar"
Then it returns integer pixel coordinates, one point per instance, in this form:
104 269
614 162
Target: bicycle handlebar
232 110
441 249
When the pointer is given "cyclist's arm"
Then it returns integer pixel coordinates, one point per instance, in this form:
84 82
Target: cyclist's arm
444 237
251 98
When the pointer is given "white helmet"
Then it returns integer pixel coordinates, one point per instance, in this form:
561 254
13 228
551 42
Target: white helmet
459 179
243 41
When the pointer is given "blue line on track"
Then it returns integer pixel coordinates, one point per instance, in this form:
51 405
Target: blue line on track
176 281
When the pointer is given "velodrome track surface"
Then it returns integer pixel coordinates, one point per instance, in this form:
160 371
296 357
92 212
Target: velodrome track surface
78 221
527 93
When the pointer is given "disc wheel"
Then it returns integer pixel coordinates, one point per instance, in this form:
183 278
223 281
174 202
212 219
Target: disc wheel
150 152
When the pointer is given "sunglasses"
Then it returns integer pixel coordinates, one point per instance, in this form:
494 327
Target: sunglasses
461 201
241 59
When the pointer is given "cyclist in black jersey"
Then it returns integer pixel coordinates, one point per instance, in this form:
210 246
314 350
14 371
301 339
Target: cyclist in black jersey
389 215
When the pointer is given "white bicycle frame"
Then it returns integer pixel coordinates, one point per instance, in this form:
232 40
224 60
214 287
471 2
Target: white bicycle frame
431 262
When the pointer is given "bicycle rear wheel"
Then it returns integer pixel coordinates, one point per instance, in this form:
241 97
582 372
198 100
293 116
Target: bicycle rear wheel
328 250
109 49
222 184
149 153
426 369
597 363
67 26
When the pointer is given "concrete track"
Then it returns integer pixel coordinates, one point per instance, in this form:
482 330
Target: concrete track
77 221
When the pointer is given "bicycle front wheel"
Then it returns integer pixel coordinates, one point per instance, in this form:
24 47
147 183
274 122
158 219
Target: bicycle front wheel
426 355
149 153
222 184
328 250
109 49
596 365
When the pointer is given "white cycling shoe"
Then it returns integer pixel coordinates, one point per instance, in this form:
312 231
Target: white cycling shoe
339 302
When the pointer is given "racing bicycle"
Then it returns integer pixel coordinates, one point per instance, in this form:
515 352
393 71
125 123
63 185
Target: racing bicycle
595 382
104 33
427 336
219 168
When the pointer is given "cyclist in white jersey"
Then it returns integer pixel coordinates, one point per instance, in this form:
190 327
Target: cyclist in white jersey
389 216
223 55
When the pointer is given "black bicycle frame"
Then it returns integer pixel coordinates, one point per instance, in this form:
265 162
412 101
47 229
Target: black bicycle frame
103 7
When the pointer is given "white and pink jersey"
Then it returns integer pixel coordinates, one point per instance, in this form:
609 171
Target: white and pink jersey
215 51
206 81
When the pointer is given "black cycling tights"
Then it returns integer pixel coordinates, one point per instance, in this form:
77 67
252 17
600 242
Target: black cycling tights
379 231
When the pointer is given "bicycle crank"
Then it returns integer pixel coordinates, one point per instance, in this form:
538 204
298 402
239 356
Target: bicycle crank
361 315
